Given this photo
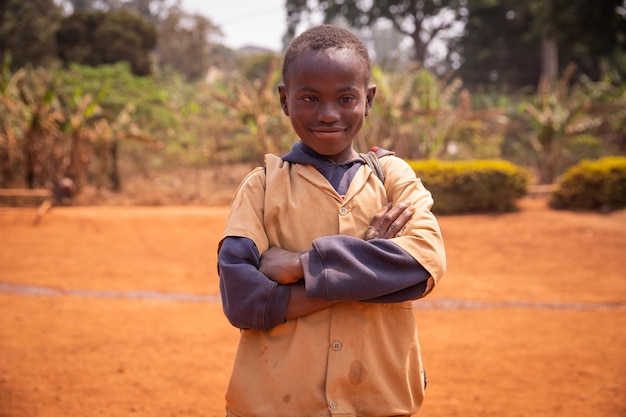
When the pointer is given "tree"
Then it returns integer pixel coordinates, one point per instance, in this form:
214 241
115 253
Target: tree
423 21
151 10
421 116
497 48
25 105
184 43
187 43
95 38
81 4
504 40
27 31
590 34
558 113
251 95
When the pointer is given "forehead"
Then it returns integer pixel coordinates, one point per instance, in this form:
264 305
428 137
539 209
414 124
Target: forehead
328 64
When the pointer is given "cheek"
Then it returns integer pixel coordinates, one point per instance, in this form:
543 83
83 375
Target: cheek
301 114
358 114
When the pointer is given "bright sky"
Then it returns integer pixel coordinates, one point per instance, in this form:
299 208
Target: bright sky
244 22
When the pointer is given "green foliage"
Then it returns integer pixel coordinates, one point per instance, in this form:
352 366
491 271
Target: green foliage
497 49
184 45
155 117
472 186
251 96
48 132
421 116
96 38
582 147
593 185
32 127
609 98
502 42
118 88
204 126
600 44
27 32
557 114
81 117
422 21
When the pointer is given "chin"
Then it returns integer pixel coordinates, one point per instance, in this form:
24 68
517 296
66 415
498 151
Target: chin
328 150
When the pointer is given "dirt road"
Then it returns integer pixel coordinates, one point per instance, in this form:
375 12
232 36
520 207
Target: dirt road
114 312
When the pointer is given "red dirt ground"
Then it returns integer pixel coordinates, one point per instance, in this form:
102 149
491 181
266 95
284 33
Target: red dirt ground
530 319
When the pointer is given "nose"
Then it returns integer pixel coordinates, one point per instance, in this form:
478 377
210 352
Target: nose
327 112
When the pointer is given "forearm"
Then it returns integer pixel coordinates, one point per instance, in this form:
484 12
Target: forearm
249 299
299 305
350 269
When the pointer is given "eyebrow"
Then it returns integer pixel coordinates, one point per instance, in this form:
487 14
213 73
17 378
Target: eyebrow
340 90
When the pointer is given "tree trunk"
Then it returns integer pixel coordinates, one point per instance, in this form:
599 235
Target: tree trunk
549 52
419 48
114 173
35 158
549 61
7 152
549 161
77 169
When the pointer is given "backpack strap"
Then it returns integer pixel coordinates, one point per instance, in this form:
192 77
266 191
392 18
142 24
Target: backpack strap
371 159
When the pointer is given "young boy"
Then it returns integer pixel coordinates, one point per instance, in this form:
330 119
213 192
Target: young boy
320 262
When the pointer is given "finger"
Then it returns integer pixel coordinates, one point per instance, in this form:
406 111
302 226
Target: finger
371 233
394 220
380 216
398 226
373 230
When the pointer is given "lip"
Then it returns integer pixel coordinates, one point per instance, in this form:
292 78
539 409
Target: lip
330 129
328 134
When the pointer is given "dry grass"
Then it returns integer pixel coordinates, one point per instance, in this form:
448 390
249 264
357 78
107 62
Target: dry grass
213 186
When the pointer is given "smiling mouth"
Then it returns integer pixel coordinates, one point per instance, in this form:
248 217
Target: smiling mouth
328 131
328 134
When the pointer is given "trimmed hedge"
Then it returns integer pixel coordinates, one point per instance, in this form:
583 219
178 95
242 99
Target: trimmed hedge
472 186
592 185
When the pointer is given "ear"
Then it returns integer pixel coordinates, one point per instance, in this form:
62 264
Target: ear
371 92
282 92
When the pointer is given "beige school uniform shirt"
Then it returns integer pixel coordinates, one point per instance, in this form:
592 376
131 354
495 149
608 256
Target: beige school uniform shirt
352 359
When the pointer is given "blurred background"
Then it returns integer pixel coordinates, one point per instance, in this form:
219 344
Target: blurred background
128 96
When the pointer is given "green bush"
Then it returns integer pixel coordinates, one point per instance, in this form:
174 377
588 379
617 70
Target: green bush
579 148
472 186
592 185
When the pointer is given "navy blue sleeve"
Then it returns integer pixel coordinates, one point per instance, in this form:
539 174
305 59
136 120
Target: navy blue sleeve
345 268
250 300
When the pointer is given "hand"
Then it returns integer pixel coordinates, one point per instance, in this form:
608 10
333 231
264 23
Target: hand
390 221
281 266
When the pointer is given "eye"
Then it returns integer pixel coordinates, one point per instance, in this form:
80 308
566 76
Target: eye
309 99
346 99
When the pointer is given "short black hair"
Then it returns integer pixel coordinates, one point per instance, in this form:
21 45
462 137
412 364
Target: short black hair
322 37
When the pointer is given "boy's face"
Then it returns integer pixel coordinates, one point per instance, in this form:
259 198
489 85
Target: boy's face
326 97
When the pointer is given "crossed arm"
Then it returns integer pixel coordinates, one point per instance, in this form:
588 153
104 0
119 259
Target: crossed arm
285 267
251 302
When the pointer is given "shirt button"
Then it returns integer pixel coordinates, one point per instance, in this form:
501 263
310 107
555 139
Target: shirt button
343 211
332 405
336 345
